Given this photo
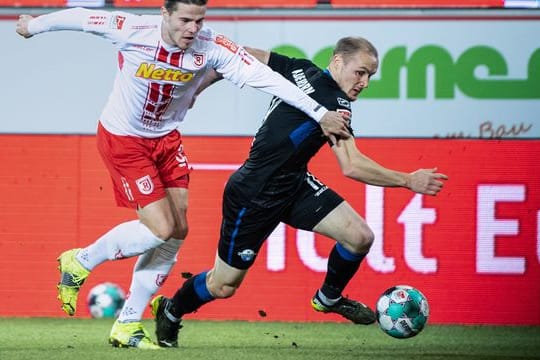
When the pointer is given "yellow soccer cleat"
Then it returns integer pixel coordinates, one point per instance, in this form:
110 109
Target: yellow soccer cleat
131 334
72 276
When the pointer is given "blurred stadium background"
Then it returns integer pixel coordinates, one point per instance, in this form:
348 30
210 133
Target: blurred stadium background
458 88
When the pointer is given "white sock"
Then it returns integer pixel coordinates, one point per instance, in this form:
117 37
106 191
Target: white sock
325 300
149 274
125 240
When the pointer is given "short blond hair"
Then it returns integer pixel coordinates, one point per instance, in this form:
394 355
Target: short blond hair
350 45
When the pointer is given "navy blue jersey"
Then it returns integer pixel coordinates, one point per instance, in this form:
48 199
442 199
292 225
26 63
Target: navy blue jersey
288 138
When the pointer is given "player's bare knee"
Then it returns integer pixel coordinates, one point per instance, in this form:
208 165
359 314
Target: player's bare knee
169 229
163 231
362 240
180 231
228 291
369 237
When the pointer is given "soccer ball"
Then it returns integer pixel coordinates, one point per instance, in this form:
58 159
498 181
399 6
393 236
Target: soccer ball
105 300
402 311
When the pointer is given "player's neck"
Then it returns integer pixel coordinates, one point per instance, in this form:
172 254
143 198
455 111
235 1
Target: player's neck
329 71
166 38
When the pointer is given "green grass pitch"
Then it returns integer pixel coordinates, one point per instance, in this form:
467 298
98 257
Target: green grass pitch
82 339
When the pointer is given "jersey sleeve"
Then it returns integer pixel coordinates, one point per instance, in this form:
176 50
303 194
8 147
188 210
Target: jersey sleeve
102 23
238 66
284 65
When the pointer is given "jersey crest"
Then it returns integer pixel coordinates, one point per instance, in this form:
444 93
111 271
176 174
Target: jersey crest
145 185
198 59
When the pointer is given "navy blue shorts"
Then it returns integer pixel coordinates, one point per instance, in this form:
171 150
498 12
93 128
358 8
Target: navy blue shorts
245 225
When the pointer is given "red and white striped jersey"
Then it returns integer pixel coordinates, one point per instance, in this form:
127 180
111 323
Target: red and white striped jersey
156 82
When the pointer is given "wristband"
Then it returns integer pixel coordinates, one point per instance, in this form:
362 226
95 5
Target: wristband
319 112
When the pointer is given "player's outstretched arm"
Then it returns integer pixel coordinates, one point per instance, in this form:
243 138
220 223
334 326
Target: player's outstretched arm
360 167
74 19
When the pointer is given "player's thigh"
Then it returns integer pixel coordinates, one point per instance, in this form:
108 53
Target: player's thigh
347 227
159 218
178 198
167 217
171 164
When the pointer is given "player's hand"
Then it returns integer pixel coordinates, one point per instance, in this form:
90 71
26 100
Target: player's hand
22 26
426 181
334 123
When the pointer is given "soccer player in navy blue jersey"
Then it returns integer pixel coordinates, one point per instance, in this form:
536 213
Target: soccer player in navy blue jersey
274 185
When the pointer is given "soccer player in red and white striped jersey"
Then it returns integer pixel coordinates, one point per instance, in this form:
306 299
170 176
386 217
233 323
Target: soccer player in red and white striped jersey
163 61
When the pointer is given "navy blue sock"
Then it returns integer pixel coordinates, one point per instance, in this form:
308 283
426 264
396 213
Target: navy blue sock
342 265
191 296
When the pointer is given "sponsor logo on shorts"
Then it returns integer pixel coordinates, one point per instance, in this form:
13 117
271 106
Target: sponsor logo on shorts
247 254
145 185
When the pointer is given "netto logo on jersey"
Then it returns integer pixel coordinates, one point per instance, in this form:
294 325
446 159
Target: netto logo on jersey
150 71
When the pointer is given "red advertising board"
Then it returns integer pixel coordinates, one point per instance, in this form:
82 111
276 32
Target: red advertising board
474 250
